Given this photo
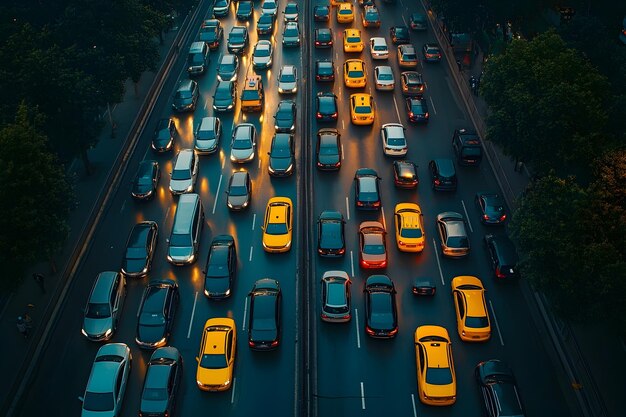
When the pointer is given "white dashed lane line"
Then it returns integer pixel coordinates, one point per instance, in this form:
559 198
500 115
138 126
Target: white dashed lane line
347 209
356 323
395 104
495 320
253 220
217 193
352 263
362 397
193 312
245 312
414 408
432 104
469 223
250 257
438 262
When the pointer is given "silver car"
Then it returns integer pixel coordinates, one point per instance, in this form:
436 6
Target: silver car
291 34
288 79
383 76
378 48
107 381
336 297
243 145
393 139
453 234
104 306
228 67
262 55
207 136
183 177
269 7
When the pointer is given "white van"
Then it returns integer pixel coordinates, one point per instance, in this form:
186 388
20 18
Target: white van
182 245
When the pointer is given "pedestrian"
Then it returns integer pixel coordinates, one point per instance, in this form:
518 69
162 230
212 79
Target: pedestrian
39 279
22 327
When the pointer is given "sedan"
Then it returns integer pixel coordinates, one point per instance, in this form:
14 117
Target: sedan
366 189
243 144
321 13
329 150
288 79
472 317
370 17
162 382
412 83
372 245
237 39
225 96
291 34
417 110
378 48
278 225
228 67
326 104
323 38
221 268
405 174
264 321
383 77
262 55
211 32
345 12
330 234
502 255
381 312
399 35
453 234
436 379
146 180
183 176
491 207
155 317
407 58
336 297
221 8
265 24
269 7
244 10
239 191
281 155
140 249
285 117
499 389
409 222
431 52
291 12
216 359
324 71
418 21
164 135
393 139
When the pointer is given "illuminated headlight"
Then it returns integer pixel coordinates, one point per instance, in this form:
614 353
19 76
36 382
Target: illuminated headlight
227 293
289 168
280 90
226 383
108 333
230 106
84 332
245 204
160 343
272 170
189 189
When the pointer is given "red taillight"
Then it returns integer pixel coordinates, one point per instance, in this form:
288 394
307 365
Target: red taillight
426 115
370 331
274 343
324 316
421 88
317 43
334 115
411 114
347 317
393 332
318 115
376 204
341 251
503 217
437 182
499 274
485 217
359 203
401 243
251 343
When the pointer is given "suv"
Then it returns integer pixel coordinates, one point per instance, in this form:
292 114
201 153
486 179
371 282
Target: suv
412 83
454 240
186 96
252 96
502 255
467 147
443 174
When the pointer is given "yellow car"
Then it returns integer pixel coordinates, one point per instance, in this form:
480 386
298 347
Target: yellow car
436 380
338 2
352 41
217 355
410 235
277 227
354 75
472 318
362 109
345 13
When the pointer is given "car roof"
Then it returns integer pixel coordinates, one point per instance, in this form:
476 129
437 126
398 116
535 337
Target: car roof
278 212
184 158
355 64
351 32
445 166
102 287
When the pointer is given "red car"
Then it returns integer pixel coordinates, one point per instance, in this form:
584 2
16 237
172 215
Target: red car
372 246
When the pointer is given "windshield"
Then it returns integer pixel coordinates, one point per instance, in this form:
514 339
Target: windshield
262 52
355 74
363 110
181 240
181 174
98 401
476 322
385 77
238 190
213 361
155 394
242 144
396 141
181 94
411 233
354 39
288 78
98 311
276 229
291 32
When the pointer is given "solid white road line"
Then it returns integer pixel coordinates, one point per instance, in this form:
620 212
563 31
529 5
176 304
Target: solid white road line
347 209
438 263
395 103
250 257
167 213
432 103
232 396
404 20
356 323
495 319
245 312
362 397
467 217
414 409
193 312
253 220
217 193
352 263
382 210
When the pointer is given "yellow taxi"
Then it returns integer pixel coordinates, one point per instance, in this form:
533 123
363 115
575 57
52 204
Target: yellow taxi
338 2
472 318
345 13
354 75
410 235
352 41
362 109
252 96
436 380
216 360
277 226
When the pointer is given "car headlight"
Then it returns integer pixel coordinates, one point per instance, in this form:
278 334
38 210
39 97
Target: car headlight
108 333
226 383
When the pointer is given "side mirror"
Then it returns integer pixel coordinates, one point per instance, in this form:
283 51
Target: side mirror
81 398
167 240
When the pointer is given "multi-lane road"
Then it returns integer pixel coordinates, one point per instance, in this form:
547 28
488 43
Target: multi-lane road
345 372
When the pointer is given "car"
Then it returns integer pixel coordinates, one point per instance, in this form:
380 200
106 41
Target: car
252 94
216 359
405 174
146 180
208 134
264 322
383 78
326 105
164 135
269 7
335 3
418 21
412 84
155 317
277 225
499 389
185 172
140 248
431 52
370 17
366 189
381 312
472 316
467 147
212 33
336 297
423 286
291 34
331 241
262 55
225 96
245 9
243 144
436 378
186 96
417 109
198 58
291 12
407 58
107 382
442 174
265 24
409 223
354 74
288 79
161 383
323 38
399 35
393 140
329 150
378 48
321 13
345 13
352 40
239 191
285 117
364 3
282 159
491 207
362 109
104 306
237 40
372 245
502 256
221 8
453 234
324 70
228 67
221 268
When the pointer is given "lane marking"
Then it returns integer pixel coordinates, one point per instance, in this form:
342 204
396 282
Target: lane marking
495 319
217 193
343 155
250 257
253 220
193 312
343 125
414 409
382 209
404 20
362 397
232 397
395 103
245 312
259 164
467 216
206 102
358 334
352 263
432 103
347 208
123 205
167 213
438 263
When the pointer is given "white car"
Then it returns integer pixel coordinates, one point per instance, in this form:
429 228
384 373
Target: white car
393 140
378 48
269 7
383 76
288 80
243 145
185 172
262 55
291 12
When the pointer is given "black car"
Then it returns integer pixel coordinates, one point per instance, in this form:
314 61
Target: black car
381 315
225 95
321 13
326 104
186 96
244 10
161 384
491 207
140 249
221 267
364 3
405 174
323 38
264 322
417 110
431 52
221 8
502 255
330 234
412 83
423 286
156 313
281 155
443 174
499 389
146 181
399 35
265 24
285 117
164 135
418 21
237 39
239 191
324 71
212 33
467 147
366 189
328 152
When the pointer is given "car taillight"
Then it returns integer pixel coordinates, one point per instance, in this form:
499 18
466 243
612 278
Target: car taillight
401 243
376 204
411 114
359 203
393 332
503 217
274 343
334 115
324 315
317 43
318 115
499 274
369 331
485 217
426 115
251 343
346 316
437 182
421 88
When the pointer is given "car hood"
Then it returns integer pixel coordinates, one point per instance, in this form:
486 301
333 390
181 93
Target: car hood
86 413
182 101
216 285
262 59
97 327
227 75
242 153
134 265
178 253
284 123
263 335
141 188
328 159
288 85
213 376
180 185
161 142
225 101
150 333
280 164
208 36
206 143
237 200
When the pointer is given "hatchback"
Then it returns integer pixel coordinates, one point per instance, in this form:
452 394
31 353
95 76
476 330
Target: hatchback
262 55
443 174
393 139
491 208
329 153
225 96
186 96
407 58
291 12
372 245
228 67
239 191
381 312
285 117
264 323
243 144
336 297
330 234
453 234
221 8
265 24
157 309
244 10
326 105
237 39
291 34
383 77
185 172
366 189
282 150
412 83
405 174
162 382
417 110
324 70
288 79
499 389
378 48
323 38
502 255
140 248
164 135
431 52
146 180
221 268
399 35
208 135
